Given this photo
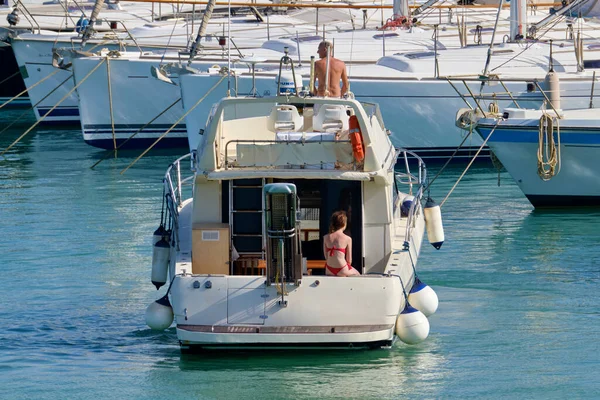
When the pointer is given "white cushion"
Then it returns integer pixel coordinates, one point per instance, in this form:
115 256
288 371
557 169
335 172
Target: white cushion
285 118
331 118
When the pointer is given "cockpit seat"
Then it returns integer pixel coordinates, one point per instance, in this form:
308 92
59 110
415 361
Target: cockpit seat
285 118
331 118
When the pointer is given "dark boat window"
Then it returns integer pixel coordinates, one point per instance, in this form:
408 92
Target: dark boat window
591 64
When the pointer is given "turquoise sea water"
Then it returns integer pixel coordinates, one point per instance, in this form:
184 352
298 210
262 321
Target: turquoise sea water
519 313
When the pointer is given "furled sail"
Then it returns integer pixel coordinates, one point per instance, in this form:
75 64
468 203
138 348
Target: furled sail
89 29
202 29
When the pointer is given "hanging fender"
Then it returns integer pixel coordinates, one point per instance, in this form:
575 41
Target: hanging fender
356 139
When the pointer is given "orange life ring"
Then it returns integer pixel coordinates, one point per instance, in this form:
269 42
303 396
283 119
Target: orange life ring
356 139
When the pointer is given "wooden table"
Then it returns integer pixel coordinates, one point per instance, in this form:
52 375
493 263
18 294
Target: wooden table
314 264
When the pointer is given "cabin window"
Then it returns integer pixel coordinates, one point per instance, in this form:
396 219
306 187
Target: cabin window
591 64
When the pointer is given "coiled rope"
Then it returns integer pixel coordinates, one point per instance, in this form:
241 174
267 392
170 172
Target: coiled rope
548 153
477 35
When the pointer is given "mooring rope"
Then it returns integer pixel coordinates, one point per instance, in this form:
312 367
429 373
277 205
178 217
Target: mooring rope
450 159
35 105
31 87
53 108
471 163
497 164
176 123
110 104
135 133
10 77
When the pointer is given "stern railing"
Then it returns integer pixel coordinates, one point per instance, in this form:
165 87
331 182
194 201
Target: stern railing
175 188
408 178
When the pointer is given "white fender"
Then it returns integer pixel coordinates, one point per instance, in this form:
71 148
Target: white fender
159 314
433 223
412 326
160 263
423 298
552 88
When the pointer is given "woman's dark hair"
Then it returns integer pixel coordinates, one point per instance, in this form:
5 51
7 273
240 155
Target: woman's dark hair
338 221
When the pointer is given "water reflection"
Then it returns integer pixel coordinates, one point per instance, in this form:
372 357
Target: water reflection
560 243
385 373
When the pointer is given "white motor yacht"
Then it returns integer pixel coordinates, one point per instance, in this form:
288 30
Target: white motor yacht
244 256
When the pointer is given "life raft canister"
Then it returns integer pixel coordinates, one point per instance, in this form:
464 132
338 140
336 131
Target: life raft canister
356 139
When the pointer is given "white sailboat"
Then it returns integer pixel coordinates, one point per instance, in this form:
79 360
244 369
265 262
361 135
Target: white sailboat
33 52
58 19
408 84
553 155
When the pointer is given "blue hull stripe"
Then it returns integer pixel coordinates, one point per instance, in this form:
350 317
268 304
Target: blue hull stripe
524 135
132 126
58 112
131 132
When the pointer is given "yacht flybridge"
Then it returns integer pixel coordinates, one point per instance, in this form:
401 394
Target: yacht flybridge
245 253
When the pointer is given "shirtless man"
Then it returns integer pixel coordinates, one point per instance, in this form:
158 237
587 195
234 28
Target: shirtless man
337 71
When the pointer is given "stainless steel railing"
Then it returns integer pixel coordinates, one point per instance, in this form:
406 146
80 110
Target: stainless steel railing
408 178
175 185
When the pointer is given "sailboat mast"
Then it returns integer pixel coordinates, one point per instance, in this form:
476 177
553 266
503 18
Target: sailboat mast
202 29
489 52
89 29
518 19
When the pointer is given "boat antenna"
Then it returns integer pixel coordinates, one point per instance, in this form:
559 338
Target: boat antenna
229 48
351 51
202 29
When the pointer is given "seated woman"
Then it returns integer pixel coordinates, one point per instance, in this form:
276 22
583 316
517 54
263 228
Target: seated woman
337 247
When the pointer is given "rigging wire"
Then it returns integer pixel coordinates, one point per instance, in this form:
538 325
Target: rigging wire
31 87
27 110
471 163
135 133
168 43
54 107
174 125
450 159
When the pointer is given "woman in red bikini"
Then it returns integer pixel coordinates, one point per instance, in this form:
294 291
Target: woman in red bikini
337 247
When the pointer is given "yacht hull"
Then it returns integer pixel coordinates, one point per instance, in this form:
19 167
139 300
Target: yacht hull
321 311
576 182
